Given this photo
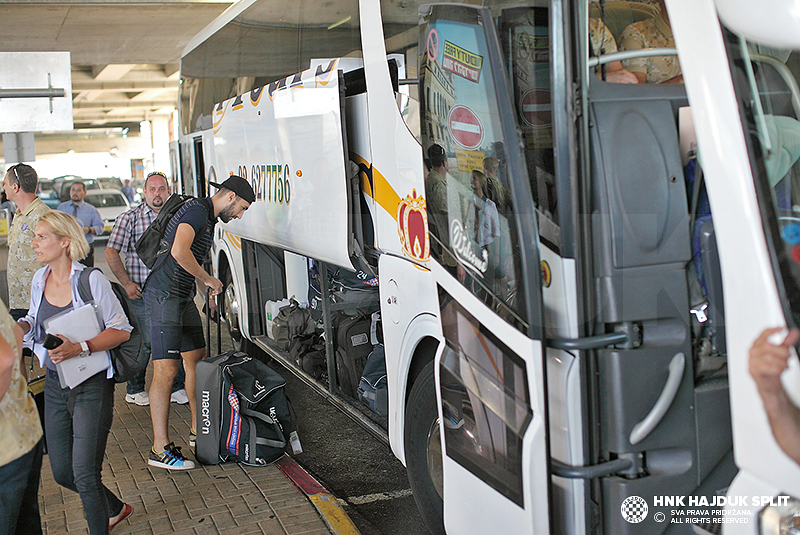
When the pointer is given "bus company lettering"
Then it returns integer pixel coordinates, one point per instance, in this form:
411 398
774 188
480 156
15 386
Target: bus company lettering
320 76
205 412
463 248
308 78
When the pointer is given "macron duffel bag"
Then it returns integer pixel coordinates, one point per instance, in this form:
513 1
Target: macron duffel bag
243 412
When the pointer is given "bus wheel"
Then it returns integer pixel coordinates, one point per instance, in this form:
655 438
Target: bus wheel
424 450
230 311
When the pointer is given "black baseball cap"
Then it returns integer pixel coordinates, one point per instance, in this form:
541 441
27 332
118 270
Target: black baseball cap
239 186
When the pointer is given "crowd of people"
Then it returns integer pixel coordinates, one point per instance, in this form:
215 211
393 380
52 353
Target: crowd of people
47 252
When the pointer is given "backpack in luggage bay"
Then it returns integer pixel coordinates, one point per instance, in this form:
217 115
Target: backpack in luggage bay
243 411
128 356
152 245
308 353
345 286
292 321
373 388
352 347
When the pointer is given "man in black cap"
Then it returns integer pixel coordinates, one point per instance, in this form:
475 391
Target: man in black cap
175 325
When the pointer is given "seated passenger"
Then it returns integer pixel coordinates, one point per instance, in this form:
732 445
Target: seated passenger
603 42
652 33
649 2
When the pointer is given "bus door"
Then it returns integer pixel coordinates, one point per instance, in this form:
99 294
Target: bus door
198 160
490 376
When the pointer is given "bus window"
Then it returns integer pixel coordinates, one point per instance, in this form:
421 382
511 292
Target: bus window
526 38
766 83
469 202
240 57
401 33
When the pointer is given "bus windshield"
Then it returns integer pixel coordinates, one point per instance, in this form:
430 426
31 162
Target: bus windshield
766 84
468 185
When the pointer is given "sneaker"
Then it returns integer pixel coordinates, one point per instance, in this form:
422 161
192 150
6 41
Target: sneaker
127 510
140 398
179 397
192 438
171 459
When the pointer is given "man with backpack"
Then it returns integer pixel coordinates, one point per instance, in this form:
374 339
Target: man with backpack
131 274
175 325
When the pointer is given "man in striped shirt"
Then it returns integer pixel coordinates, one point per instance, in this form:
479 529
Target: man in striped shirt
176 329
128 228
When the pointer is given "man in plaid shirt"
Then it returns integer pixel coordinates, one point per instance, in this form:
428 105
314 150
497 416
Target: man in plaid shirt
128 228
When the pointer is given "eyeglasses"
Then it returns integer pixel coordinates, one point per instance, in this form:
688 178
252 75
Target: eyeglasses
16 174
159 173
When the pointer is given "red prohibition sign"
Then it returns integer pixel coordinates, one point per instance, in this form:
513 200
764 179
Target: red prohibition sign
433 45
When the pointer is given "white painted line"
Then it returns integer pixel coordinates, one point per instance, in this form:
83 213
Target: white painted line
466 127
377 497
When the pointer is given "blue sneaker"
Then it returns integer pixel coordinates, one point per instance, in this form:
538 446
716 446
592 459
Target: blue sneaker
171 459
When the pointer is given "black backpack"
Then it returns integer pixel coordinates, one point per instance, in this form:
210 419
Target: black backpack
152 245
126 357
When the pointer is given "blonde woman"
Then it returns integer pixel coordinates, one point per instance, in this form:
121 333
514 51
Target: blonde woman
77 420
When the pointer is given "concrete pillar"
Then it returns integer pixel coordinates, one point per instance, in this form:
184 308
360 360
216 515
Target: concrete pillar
19 147
160 127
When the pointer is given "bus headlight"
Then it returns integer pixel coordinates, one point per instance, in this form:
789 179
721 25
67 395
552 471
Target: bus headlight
780 519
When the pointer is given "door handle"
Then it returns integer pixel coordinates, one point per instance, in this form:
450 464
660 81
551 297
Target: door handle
664 401
589 342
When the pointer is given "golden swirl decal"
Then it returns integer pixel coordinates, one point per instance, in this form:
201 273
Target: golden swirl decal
219 114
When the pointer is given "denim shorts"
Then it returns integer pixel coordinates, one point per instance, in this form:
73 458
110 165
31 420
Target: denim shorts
175 324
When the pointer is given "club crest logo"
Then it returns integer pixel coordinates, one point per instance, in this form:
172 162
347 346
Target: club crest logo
412 225
634 509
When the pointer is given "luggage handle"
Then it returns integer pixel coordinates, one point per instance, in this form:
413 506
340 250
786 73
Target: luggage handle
208 323
255 439
264 418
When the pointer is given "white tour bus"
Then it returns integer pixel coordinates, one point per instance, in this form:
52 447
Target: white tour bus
566 327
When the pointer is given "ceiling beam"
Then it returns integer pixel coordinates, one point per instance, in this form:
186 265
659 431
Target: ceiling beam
171 69
126 2
111 72
110 105
123 85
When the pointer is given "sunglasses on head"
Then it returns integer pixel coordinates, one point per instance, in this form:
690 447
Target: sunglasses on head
16 174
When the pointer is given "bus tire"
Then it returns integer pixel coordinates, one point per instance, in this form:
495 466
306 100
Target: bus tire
423 450
230 312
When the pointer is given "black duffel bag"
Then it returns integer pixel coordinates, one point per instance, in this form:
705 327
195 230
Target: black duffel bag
243 411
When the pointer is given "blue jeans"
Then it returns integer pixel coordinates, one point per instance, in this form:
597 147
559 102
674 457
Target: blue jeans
19 489
77 422
136 384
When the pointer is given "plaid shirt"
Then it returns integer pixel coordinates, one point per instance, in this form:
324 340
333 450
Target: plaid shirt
128 228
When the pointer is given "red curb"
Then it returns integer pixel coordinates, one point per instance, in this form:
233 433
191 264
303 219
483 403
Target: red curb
299 476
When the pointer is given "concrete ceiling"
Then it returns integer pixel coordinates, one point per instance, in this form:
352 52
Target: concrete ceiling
125 54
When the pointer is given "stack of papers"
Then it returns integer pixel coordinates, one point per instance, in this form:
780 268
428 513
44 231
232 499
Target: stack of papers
78 325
